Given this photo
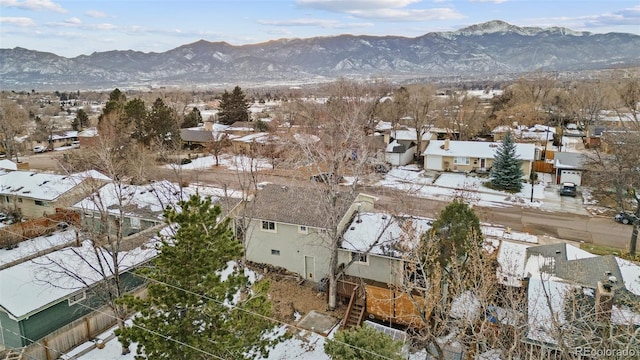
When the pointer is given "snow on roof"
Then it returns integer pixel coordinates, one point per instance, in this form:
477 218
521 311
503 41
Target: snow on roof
27 287
575 253
138 200
33 246
465 307
477 149
64 135
92 174
622 316
500 232
630 275
384 125
409 134
39 186
90 132
392 145
511 260
252 137
546 307
385 234
8 165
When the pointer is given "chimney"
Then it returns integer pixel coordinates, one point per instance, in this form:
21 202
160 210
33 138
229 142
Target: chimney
446 144
208 125
604 301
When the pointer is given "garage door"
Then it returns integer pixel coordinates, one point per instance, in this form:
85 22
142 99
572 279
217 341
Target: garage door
434 162
571 176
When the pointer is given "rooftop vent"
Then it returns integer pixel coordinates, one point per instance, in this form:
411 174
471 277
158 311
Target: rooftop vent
613 279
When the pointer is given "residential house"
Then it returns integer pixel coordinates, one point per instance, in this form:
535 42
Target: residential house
288 227
88 138
202 136
569 290
568 167
38 194
62 139
134 208
251 143
472 156
41 303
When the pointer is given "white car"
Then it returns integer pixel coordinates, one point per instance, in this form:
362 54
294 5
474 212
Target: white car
39 149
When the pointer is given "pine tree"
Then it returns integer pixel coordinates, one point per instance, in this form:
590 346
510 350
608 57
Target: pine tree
363 343
233 107
80 121
191 119
188 312
506 171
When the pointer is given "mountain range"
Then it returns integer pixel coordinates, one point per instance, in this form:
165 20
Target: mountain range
482 50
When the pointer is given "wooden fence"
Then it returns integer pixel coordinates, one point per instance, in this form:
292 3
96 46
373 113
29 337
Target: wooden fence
543 167
25 230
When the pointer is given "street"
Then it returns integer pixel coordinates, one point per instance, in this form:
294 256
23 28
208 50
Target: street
574 226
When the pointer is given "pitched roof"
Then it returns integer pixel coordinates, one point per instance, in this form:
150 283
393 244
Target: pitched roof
39 186
477 149
297 205
196 135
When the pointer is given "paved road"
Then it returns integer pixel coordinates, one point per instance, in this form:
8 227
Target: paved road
564 218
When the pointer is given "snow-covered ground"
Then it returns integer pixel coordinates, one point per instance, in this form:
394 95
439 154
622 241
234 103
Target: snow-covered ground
451 185
233 162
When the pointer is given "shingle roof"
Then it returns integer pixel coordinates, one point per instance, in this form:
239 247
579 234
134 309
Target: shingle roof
196 135
568 160
297 205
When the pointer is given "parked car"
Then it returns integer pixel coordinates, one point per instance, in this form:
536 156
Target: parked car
39 149
626 218
568 189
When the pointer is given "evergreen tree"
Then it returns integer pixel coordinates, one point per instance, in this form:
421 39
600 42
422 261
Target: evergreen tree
506 172
362 343
233 107
80 121
188 312
455 232
136 117
116 102
192 119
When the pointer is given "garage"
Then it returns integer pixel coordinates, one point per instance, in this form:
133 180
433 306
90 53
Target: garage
434 162
572 176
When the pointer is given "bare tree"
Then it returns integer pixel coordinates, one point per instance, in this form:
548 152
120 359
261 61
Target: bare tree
334 142
13 121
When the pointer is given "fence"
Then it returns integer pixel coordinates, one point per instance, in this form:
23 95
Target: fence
76 333
25 230
543 167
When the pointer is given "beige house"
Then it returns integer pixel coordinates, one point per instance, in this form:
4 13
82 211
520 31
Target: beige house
472 156
288 228
39 194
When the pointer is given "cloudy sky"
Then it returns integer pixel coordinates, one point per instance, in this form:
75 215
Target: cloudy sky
75 27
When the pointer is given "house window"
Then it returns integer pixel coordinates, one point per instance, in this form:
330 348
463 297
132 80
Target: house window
19 200
460 160
41 203
269 226
275 252
359 258
135 223
6 199
303 229
76 298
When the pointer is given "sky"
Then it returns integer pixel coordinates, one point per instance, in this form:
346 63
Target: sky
80 27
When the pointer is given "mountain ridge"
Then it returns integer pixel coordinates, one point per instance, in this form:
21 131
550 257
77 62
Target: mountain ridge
486 49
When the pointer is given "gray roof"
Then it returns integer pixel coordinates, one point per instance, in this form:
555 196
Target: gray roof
195 135
568 160
306 206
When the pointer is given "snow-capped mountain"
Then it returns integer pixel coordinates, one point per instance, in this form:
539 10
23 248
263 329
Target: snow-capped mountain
486 49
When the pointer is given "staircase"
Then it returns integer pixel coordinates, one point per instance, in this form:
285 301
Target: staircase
13 354
355 311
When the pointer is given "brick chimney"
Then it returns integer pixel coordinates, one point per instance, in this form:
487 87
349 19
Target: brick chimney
604 301
446 144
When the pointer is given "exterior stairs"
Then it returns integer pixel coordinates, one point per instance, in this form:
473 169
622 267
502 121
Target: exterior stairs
356 309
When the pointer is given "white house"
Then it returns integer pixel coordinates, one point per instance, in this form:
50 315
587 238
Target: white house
472 156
